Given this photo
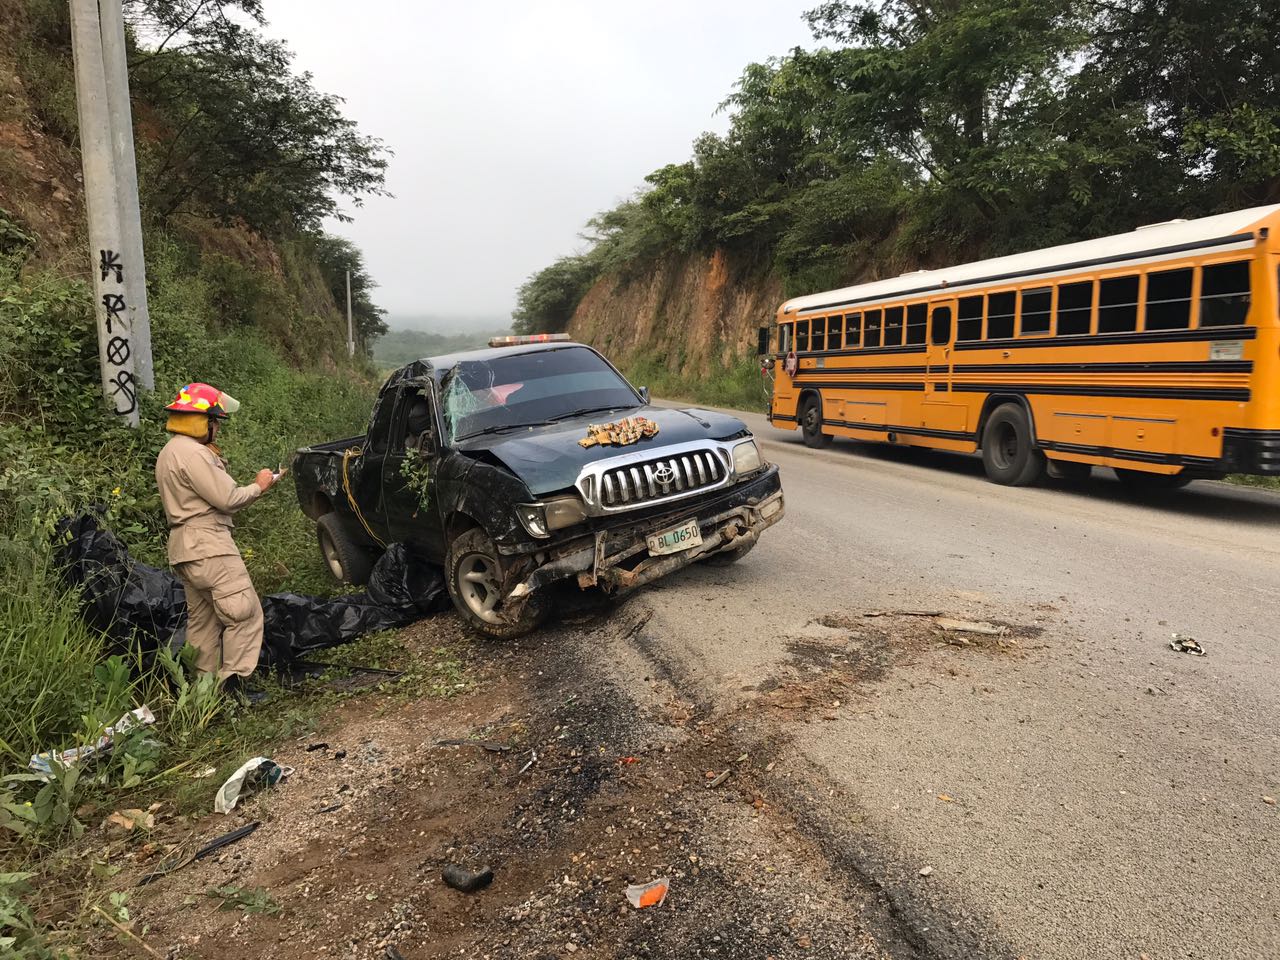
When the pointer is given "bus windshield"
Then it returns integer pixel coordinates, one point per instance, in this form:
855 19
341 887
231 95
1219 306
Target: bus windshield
488 396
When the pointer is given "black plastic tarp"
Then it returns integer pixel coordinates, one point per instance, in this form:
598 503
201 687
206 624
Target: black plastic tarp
141 608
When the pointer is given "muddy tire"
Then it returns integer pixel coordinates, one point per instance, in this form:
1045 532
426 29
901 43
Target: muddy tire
474 573
346 560
811 424
726 557
1140 481
1009 453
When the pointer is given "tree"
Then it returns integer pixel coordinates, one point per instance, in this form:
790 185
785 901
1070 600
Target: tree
546 301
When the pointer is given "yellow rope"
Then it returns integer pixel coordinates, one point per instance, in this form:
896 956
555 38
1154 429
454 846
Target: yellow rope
346 486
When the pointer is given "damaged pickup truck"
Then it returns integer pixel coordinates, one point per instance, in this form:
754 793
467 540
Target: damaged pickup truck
484 463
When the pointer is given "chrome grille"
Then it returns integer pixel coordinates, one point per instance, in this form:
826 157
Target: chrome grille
649 481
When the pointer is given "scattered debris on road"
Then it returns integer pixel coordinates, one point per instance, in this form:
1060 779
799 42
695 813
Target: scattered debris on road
466 881
253 774
717 780
970 626
491 746
177 861
1189 645
653 894
926 871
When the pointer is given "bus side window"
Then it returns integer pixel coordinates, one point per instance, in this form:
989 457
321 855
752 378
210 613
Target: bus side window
871 332
1035 310
834 327
802 336
852 330
1118 305
969 319
1169 300
917 322
940 326
1224 294
1075 308
818 333
784 338
1000 315
893 326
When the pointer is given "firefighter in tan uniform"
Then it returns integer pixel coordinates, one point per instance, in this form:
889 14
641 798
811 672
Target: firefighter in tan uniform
224 615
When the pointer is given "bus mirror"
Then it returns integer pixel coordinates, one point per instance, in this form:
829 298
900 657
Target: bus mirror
762 344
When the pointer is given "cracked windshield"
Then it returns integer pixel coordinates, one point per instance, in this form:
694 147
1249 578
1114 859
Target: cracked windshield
488 396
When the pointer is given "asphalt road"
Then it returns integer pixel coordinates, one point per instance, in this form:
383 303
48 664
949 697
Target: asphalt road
1087 794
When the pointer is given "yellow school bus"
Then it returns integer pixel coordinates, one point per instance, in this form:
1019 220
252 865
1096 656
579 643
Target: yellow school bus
1155 353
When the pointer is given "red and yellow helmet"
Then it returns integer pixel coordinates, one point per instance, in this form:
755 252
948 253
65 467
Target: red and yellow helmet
202 398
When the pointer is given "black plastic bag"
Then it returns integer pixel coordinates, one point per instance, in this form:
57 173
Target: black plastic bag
402 588
137 607
141 608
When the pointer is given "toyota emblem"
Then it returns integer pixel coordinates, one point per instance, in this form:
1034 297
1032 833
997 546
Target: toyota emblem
664 475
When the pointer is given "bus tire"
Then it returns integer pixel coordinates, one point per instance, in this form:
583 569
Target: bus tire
811 423
1143 481
345 559
1009 453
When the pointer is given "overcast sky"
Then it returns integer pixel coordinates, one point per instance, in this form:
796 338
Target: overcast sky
514 122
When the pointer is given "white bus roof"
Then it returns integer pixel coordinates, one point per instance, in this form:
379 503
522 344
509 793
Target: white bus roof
1157 241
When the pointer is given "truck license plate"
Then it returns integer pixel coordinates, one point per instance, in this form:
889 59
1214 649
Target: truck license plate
683 537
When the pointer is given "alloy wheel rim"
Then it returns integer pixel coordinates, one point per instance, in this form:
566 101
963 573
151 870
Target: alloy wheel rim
478 584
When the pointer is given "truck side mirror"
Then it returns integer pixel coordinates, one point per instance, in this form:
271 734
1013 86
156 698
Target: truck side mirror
644 394
762 344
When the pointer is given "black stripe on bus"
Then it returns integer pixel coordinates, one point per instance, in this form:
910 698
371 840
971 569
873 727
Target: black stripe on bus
860 384
1088 390
1139 456
1083 340
1170 366
1105 339
913 431
1038 271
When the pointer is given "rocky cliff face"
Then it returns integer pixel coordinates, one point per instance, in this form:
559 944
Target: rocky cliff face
693 313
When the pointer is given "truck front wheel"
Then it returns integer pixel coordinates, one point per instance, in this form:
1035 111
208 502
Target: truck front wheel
346 559
475 577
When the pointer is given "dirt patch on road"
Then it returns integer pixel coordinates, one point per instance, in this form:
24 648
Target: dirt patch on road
615 796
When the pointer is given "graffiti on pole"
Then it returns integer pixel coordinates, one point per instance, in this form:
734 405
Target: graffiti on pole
124 388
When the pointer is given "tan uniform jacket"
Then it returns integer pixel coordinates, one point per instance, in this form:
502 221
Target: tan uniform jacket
199 498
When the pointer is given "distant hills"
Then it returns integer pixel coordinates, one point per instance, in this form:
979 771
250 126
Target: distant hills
397 347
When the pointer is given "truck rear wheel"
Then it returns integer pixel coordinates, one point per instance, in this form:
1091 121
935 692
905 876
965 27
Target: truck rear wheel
346 559
475 575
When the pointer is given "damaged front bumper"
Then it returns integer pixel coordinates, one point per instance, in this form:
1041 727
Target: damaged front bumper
618 558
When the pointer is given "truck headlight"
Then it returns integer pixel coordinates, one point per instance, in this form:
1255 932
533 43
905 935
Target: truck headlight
746 458
541 518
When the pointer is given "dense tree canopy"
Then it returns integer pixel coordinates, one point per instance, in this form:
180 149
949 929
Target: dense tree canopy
923 131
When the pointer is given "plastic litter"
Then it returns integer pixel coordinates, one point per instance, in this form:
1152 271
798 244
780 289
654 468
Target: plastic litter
255 773
649 894
42 763
1186 645
467 881
141 609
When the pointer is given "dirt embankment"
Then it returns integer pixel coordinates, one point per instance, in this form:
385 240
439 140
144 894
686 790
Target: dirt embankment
697 313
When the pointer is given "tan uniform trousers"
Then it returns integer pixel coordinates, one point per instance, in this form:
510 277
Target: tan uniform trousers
224 615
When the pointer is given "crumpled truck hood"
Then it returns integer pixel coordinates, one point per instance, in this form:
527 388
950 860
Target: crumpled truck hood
548 459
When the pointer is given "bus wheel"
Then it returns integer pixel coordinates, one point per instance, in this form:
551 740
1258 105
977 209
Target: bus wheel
1140 481
811 424
1008 449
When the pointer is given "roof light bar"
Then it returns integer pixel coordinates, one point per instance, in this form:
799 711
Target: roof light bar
531 338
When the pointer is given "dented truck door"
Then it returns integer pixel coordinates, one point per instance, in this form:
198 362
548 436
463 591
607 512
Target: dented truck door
409 470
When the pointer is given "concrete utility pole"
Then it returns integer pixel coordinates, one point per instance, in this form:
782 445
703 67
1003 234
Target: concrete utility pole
351 337
116 63
116 347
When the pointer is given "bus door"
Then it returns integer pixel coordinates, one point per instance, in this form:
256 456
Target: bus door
940 412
